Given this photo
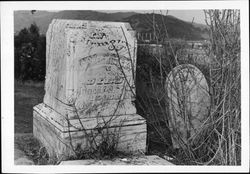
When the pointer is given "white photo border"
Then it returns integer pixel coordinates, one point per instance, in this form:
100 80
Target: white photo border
7 80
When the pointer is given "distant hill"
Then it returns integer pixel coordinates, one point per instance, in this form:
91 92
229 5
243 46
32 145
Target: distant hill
24 19
140 22
176 28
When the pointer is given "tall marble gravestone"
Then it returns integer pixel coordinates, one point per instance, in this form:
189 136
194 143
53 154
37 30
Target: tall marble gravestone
89 88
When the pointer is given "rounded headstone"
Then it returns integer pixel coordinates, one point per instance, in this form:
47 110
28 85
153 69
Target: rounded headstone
188 102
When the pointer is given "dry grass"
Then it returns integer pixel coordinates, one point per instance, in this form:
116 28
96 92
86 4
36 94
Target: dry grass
218 140
25 97
225 86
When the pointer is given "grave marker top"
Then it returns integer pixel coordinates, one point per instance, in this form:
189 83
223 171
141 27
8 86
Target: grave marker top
188 102
90 67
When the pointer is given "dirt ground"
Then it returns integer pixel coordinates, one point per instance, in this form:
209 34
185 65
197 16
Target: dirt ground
27 149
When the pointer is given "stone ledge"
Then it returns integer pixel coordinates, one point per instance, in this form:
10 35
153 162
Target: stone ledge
142 160
59 143
73 125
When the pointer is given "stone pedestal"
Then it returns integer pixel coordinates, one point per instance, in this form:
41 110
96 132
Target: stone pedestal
89 88
60 137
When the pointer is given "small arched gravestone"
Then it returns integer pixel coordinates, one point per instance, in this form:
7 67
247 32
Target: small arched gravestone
188 103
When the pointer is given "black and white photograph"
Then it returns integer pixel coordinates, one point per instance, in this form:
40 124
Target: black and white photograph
129 86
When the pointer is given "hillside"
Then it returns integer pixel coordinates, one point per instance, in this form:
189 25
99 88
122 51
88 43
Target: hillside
176 28
24 19
140 22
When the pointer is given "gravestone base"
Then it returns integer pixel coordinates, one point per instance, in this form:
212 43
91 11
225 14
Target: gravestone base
60 135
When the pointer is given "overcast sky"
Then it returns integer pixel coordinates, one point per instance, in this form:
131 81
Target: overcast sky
188 15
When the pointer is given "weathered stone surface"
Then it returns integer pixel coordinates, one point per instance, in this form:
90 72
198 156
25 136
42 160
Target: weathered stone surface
188 102
60 138
141 160
90 69
83 68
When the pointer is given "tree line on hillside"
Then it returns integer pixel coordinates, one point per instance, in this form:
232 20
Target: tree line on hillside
30 54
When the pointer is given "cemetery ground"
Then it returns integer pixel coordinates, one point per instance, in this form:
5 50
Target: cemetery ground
26 96
28 150
218 141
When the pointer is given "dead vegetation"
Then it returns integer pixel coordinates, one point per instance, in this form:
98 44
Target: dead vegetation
218 140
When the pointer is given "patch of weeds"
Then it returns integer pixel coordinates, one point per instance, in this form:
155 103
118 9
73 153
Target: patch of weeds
106 150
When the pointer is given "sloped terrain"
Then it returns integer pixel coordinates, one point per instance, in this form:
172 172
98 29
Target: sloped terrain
142 23
176 28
